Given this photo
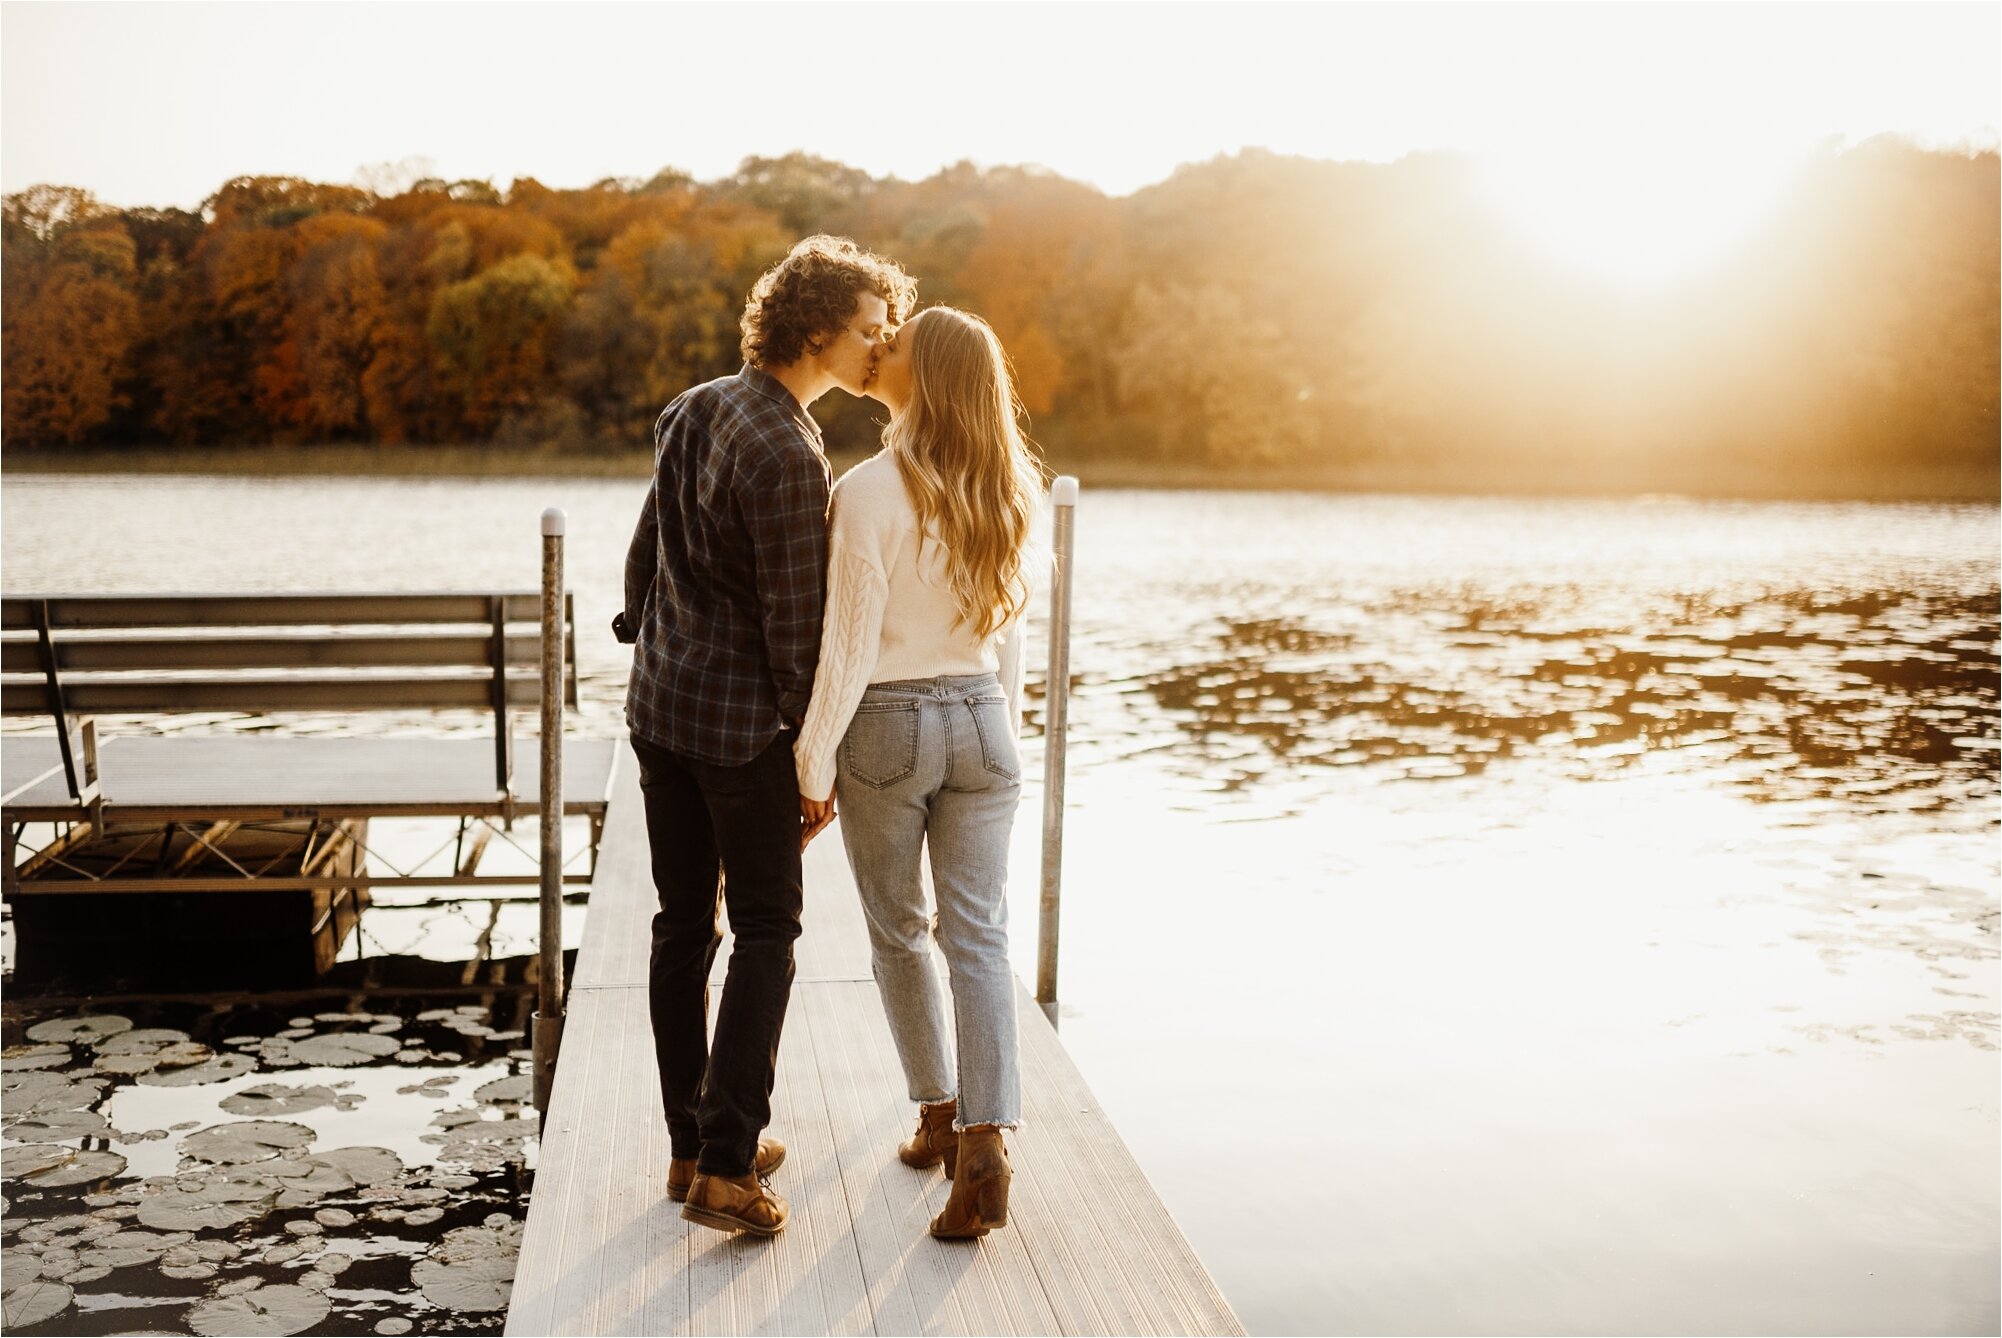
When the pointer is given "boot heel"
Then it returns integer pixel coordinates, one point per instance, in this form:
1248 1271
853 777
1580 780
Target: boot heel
950 1152
992 1206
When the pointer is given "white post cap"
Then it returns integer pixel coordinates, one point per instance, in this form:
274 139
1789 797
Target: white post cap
1063 491
552 521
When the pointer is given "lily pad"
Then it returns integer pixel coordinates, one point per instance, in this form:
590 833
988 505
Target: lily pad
110 1259
302 1183
276 1310
187 1210
475 1284
37 1093
86 1030
49 1056
482 1156
80 1168
183 1053
518 1087
209 1070
189 1253
136 1135
34 1301
334 1217
19 1266
56 1126
364 1165
499 1236
344 1048
195 1272
153 1242
25 1159
236 1184
245 1140
511 1129
268 1099
129 1066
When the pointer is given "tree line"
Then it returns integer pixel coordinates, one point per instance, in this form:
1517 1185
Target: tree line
1253 309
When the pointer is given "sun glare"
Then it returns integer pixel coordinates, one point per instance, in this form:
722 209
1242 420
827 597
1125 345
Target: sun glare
1638 217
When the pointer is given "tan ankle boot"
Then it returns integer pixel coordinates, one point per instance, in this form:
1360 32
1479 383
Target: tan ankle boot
935 1140
737 1203
681 1171
979 1201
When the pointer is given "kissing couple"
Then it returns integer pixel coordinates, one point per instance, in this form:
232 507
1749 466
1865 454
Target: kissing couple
799 645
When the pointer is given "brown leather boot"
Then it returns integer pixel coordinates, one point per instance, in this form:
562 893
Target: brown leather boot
681 1170
979 1200
735 1203
935 1140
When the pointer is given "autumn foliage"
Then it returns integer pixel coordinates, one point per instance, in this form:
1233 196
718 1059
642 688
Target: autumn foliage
1254 308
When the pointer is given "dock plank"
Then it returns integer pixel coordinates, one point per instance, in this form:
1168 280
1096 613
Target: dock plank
587 1236
618 930
1089 1247
634 1197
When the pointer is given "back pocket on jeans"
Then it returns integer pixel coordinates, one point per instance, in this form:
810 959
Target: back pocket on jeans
881 746
995 724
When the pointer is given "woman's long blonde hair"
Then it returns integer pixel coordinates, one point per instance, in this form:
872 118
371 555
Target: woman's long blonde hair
966 464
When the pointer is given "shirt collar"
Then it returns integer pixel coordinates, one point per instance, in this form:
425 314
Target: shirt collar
762 381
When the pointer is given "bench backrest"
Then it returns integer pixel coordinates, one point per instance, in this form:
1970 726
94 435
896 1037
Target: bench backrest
64 655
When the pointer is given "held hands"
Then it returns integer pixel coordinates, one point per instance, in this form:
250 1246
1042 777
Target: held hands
814 815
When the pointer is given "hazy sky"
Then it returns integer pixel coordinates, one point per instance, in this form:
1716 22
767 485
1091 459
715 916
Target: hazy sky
159 103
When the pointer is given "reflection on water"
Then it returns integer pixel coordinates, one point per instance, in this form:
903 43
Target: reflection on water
1606 889
1887 700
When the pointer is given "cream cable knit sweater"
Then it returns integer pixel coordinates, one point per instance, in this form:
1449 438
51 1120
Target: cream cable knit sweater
890 617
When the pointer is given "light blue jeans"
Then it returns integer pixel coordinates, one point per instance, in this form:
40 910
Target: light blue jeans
933 763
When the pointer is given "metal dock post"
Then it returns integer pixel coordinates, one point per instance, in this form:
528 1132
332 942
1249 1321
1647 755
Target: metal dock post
1056 721
548 1021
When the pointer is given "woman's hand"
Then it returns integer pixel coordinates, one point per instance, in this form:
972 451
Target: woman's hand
814 815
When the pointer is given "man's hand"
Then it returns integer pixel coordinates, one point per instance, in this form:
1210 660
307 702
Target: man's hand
814 815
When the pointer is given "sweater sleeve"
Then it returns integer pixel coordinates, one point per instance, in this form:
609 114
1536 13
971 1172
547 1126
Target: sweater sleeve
1012 654
858 590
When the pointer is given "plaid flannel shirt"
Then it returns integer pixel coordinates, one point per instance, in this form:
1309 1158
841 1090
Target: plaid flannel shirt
727 571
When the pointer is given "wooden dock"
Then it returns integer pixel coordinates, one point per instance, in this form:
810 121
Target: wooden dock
1089 1248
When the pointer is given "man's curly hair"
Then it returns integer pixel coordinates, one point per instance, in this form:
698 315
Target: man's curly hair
811 294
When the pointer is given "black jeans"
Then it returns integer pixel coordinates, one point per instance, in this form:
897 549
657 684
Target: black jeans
733 829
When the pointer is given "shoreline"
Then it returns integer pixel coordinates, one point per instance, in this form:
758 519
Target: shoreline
1938 484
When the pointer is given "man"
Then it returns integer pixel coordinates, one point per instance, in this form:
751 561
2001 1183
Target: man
724 584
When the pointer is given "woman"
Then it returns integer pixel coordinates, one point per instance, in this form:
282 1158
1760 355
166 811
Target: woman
912 724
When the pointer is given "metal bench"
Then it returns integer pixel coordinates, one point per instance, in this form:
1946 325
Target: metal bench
66 656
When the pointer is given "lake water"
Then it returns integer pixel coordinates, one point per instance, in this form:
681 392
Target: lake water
1480 915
